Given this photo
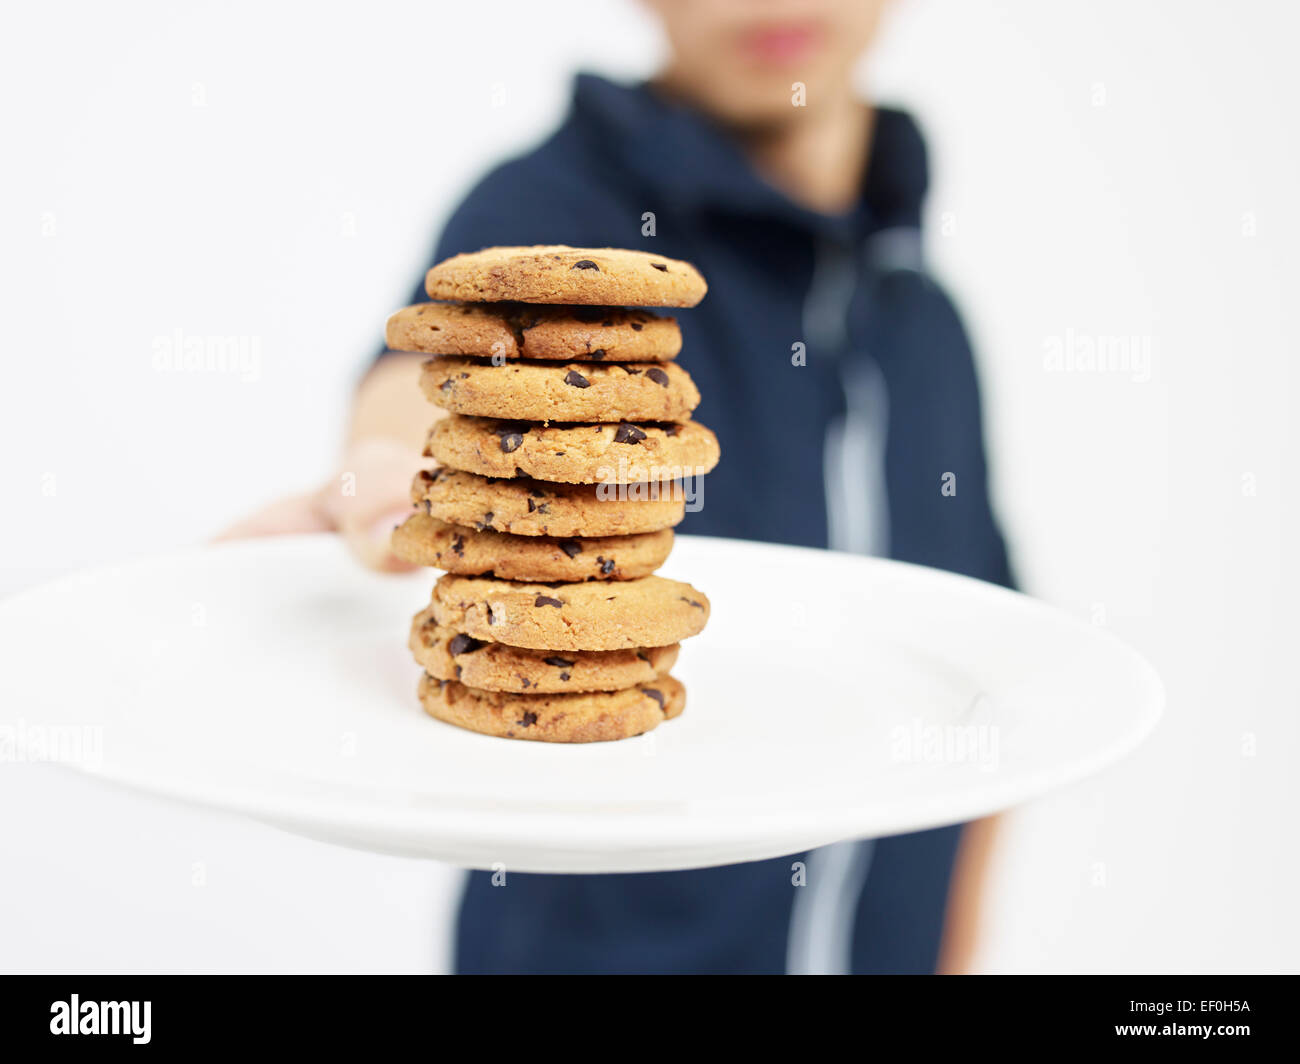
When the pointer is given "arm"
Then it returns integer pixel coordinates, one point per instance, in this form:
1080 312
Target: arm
966 897
370 492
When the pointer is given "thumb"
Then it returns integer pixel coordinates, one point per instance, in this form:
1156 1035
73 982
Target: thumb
370 497
371 539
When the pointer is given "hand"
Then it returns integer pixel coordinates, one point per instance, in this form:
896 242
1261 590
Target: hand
364 502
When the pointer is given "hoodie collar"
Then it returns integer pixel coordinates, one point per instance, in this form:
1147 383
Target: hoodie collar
696 163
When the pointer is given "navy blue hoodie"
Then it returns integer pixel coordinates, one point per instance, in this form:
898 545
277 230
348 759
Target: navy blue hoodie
848 450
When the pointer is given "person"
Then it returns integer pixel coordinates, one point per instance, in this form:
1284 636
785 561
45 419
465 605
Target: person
838 377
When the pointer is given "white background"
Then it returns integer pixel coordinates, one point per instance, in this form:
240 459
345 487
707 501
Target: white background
279 171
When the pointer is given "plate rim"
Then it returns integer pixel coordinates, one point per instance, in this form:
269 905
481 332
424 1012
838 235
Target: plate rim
431 824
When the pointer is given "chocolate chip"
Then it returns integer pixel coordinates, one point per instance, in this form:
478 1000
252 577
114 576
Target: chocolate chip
672 430
597 354
659 266
697 605
458 545
576 379
531 506
606 565
446 385
490 618
461 643
558 662
628 434
428 507
529 719
637 326
459 671
564 676
545 508
511 441
487 519
525 681
571 547
657 375
585 264
656 695
546 600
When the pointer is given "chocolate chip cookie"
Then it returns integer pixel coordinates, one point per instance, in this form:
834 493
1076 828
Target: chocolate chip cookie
561 391
591 717
522 330
623 453
561 274
425 540
450 655
648 612
525 507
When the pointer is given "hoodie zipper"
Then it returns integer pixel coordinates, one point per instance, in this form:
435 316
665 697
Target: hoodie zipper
857 520
853 454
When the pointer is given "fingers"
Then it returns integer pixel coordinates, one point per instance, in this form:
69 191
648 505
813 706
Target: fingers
299 514
370 497
371 541
364 503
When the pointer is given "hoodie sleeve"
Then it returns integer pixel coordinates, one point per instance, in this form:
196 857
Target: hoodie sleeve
937 470
938 489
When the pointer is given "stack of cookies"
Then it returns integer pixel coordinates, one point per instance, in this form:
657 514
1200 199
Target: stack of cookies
562 469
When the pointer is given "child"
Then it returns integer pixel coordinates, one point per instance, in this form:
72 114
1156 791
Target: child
840 382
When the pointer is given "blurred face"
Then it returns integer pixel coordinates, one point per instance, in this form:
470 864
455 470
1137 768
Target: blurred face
738 59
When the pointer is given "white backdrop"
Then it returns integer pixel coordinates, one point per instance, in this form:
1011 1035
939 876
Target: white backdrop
1113 172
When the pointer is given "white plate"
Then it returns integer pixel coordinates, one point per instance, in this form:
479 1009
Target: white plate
830 697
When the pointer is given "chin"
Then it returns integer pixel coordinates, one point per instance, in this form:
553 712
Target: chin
754 103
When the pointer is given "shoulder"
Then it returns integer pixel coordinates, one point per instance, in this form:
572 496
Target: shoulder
557 193
898 176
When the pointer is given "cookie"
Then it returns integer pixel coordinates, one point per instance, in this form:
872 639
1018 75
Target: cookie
648 612
450 655
425 540
592 717
560 274
623 453
561 391
526 507
519 330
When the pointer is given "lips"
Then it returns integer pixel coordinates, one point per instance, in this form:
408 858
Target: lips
780 44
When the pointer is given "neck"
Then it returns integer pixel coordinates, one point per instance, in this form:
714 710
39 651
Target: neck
817 158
